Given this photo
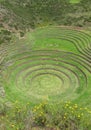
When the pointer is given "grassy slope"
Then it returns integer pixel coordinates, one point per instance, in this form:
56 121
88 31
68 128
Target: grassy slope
74 1
33 16
37 41
85 98
54 85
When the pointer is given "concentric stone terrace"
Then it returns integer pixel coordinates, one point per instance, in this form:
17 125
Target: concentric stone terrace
52 63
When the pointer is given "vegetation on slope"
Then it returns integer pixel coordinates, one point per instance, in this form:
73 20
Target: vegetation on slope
74 1
24 15
51 64
45 116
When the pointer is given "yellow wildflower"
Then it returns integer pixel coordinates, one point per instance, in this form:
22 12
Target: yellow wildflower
64 117
78 116
12 125
66 104
70 107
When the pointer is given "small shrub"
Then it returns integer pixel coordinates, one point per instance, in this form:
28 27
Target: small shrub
64 116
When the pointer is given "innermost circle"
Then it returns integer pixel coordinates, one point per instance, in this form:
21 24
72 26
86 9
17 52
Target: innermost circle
46 85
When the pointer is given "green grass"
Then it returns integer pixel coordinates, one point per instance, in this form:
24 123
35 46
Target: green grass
74 1
51 63
57 44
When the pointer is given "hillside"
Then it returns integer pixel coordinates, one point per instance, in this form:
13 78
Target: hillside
45 65
22 15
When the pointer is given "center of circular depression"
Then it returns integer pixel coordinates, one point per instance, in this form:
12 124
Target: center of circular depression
46 84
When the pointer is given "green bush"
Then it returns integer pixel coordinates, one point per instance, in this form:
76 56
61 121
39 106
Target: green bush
64 116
